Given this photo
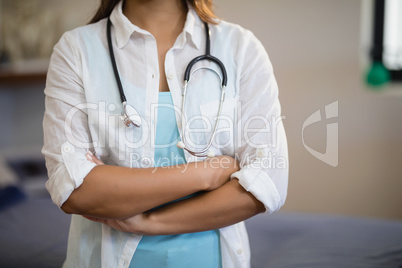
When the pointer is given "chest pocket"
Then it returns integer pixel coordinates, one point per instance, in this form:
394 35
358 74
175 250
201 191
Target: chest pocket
223 142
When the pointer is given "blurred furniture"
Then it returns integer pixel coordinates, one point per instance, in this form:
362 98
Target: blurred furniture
12 79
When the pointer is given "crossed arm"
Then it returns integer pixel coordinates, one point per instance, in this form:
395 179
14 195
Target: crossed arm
122 202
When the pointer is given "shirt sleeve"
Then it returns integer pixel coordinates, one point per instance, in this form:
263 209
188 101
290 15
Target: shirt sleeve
262 147
65 124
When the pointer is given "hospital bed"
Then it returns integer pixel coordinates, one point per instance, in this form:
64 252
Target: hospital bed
33 233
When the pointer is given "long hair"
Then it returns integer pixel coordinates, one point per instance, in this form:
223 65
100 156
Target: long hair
204 9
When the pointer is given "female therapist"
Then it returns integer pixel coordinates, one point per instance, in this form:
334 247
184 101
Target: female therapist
137 199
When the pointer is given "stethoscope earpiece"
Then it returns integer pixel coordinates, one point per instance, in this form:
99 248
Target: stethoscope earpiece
181 145
211 154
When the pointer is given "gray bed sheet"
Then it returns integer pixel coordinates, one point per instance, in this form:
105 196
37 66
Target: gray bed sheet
310 240
33 233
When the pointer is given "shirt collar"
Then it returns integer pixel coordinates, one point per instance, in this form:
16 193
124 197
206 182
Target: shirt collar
193 27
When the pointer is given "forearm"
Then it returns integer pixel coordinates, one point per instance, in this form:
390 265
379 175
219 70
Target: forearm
112 192
222 207
120 192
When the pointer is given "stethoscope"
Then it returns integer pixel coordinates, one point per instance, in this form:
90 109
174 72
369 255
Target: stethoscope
131 117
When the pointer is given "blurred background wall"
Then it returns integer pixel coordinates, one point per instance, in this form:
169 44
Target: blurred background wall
315 49
22 104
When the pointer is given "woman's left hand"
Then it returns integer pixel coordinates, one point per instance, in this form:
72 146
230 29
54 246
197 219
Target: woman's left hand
92 158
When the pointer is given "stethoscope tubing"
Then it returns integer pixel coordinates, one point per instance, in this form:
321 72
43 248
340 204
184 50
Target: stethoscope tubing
210 58
113 60
187 75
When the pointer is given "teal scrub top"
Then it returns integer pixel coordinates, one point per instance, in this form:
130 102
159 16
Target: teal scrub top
196 250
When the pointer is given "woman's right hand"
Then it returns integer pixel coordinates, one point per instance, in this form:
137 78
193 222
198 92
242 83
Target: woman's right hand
222 167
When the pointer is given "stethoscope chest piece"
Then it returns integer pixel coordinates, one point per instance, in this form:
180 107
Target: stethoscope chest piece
130 115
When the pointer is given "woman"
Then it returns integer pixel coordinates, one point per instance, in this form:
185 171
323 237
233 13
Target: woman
138 200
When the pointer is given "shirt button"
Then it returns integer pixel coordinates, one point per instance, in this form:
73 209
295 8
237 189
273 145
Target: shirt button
260 153
239 251
170 76
153 76
66 149
146 162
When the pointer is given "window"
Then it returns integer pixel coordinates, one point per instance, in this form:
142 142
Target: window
386 48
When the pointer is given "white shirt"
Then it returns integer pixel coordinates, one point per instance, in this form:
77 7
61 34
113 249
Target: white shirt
83 108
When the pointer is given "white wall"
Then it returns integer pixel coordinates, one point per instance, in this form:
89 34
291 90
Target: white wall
315 46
